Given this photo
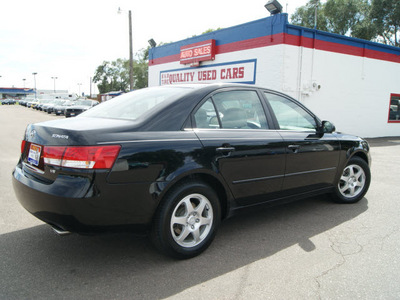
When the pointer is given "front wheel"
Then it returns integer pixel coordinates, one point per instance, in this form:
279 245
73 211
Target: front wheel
187 220
354 181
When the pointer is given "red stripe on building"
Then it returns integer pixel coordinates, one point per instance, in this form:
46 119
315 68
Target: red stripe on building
288 39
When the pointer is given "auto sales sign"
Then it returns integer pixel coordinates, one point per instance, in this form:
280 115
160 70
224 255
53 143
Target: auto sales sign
195 53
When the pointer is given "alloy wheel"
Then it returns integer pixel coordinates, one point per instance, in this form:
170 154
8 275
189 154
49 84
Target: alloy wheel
352 181
191 220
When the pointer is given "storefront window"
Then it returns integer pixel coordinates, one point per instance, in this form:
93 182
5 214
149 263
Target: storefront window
394 108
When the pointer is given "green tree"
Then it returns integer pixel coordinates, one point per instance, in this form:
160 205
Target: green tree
305 15
385 15
364 28
342 15
366 19
211 30
141 69
350 17
114 75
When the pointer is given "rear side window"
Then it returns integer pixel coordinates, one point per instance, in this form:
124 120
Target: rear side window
206 116
232 110
289 115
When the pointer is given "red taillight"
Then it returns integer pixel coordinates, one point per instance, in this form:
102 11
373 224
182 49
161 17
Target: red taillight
81 157
23 143
53 155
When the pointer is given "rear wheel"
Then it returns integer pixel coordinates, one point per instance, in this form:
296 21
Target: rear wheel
354 181
187 220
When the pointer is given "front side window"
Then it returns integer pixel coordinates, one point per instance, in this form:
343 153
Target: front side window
394 108
289 115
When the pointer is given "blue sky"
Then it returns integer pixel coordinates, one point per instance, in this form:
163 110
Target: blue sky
69 39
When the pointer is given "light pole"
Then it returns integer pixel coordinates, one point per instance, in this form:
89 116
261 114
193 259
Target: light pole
316 15
130 49
54 78
34 80
23 80
79 86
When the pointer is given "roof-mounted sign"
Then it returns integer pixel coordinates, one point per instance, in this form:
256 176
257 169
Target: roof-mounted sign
195 53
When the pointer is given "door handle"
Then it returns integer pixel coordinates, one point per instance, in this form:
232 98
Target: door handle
294 148
225 149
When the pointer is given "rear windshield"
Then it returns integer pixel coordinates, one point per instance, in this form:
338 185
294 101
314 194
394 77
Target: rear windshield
136 104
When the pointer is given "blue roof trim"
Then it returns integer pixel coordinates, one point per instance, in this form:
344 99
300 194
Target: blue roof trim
16 91
265 27
340 39
255 29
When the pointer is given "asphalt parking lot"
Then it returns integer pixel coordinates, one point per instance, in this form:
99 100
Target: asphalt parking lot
311 249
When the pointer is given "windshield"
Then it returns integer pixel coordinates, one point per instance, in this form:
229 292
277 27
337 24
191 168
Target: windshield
136 104
67 103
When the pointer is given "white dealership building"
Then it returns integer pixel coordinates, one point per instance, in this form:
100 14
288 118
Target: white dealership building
351 82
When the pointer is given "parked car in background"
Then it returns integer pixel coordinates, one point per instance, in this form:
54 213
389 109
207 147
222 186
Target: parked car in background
59 109
45 106
42 102
176 160
49 108
22 102
8 101
32 103
79 107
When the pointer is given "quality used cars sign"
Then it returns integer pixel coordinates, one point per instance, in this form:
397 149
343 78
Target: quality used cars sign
234 72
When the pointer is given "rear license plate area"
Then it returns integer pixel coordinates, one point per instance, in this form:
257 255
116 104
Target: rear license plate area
34 154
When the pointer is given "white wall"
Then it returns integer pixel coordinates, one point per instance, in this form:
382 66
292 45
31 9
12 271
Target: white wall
352 92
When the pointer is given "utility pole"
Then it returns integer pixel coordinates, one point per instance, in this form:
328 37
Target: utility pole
130 52
34 79
54 78
130 49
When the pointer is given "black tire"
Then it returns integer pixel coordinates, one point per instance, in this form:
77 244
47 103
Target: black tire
187 220
354 181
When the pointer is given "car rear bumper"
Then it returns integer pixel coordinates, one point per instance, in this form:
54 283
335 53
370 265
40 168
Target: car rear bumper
84 205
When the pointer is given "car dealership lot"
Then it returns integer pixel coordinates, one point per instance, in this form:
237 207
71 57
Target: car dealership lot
309 249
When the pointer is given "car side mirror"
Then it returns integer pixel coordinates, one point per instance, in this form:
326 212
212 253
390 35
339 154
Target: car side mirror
326 127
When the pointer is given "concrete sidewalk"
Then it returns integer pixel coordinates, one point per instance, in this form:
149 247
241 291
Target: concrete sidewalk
384 141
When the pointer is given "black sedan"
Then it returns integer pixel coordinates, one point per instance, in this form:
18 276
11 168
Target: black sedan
177 160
